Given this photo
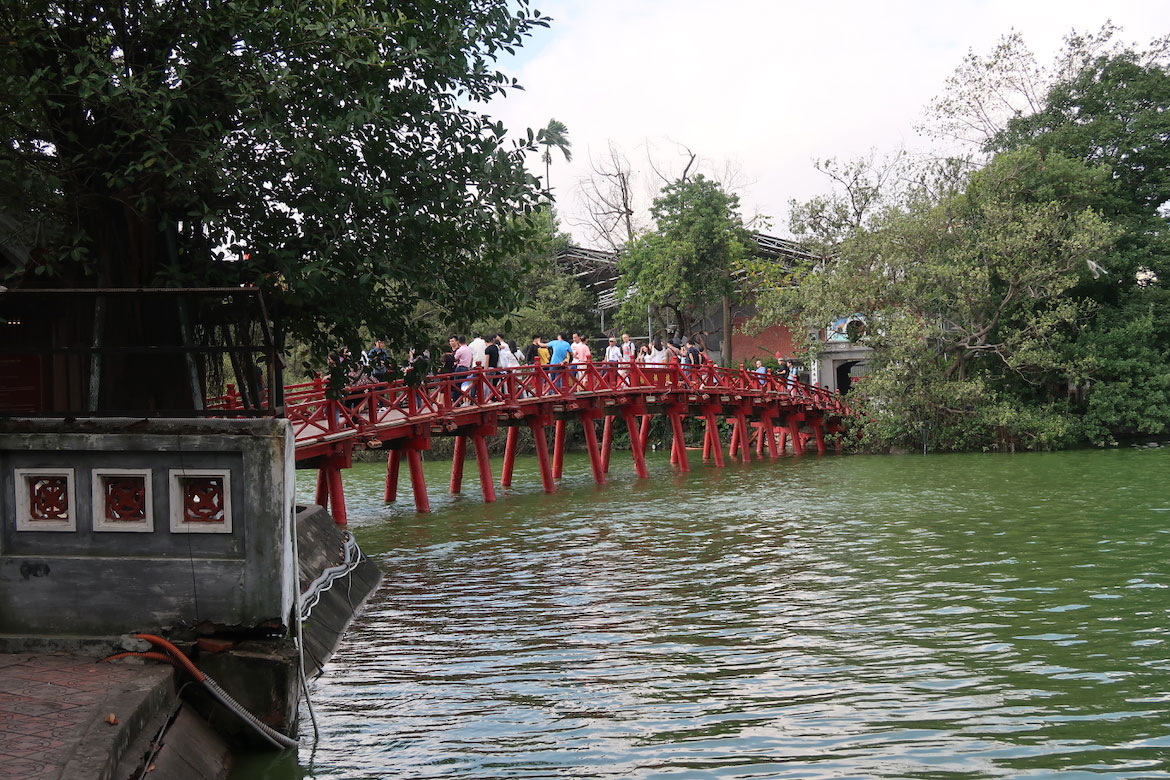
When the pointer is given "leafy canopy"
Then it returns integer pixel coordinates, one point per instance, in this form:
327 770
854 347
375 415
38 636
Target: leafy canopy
327 152
685 265
1115 113
966 296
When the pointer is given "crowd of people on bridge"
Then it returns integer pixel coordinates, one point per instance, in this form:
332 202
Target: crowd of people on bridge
491 352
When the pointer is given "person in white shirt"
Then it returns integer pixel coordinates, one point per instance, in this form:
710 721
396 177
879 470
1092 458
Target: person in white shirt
507 358
629 349
478 352
613 353
657 354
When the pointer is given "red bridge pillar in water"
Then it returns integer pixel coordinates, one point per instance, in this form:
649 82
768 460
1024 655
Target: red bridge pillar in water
817 424
587 418
794 419
413 445
486 484
674 414
537 423
322 499
337 496
457 464
330 490
509 456
768 430
418 482
606 442
740 437
558 449
713 443
637 446
393 459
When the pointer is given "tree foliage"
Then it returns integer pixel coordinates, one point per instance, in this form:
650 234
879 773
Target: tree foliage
555 133
966 299
325 152
684 266
551 300
1021 303
1113 113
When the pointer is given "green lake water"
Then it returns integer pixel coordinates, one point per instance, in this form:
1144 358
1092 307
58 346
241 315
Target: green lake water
949 616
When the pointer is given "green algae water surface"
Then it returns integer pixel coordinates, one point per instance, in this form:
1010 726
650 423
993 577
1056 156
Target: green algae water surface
964 616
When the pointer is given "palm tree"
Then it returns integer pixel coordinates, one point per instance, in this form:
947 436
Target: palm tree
555 134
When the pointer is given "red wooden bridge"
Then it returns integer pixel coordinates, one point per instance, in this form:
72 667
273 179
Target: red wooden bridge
475 405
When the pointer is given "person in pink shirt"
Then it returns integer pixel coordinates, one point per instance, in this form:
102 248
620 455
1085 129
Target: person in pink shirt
581 353
463 359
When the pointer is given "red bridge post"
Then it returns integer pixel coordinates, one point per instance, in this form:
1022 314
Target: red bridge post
418 483
606 442
486 483
336 495
794 419
457 464
636 444
393 459
816 423
591 445
769 430
644 432
322 499
559 447
537 423
714 441
674 413
509 456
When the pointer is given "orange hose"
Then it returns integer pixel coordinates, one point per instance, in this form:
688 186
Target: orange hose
176 653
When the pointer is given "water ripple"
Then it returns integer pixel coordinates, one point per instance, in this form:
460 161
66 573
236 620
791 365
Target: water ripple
957 617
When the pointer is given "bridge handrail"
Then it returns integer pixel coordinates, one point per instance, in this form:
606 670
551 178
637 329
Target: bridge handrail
362 409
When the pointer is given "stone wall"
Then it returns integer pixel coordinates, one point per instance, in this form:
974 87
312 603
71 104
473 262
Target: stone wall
117 525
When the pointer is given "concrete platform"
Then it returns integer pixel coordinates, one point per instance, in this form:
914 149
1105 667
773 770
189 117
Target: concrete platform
54 709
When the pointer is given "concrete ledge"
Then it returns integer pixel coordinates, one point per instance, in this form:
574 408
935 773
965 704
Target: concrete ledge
141 707
190 750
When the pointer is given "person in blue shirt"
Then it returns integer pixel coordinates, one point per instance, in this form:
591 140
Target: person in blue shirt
558 349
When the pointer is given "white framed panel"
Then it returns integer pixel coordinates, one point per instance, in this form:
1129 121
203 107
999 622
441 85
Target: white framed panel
201 501
46 500
123 500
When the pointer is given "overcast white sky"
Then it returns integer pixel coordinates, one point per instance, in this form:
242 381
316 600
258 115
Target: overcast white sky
766 86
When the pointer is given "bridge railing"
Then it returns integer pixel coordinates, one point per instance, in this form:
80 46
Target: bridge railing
315 416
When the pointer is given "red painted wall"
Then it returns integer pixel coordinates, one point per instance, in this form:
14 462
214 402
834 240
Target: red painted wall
765 344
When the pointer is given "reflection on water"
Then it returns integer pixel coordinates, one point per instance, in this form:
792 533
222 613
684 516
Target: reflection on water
948 616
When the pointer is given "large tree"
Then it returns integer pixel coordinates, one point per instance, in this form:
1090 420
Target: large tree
328 153
1115 113
967 299
684 266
